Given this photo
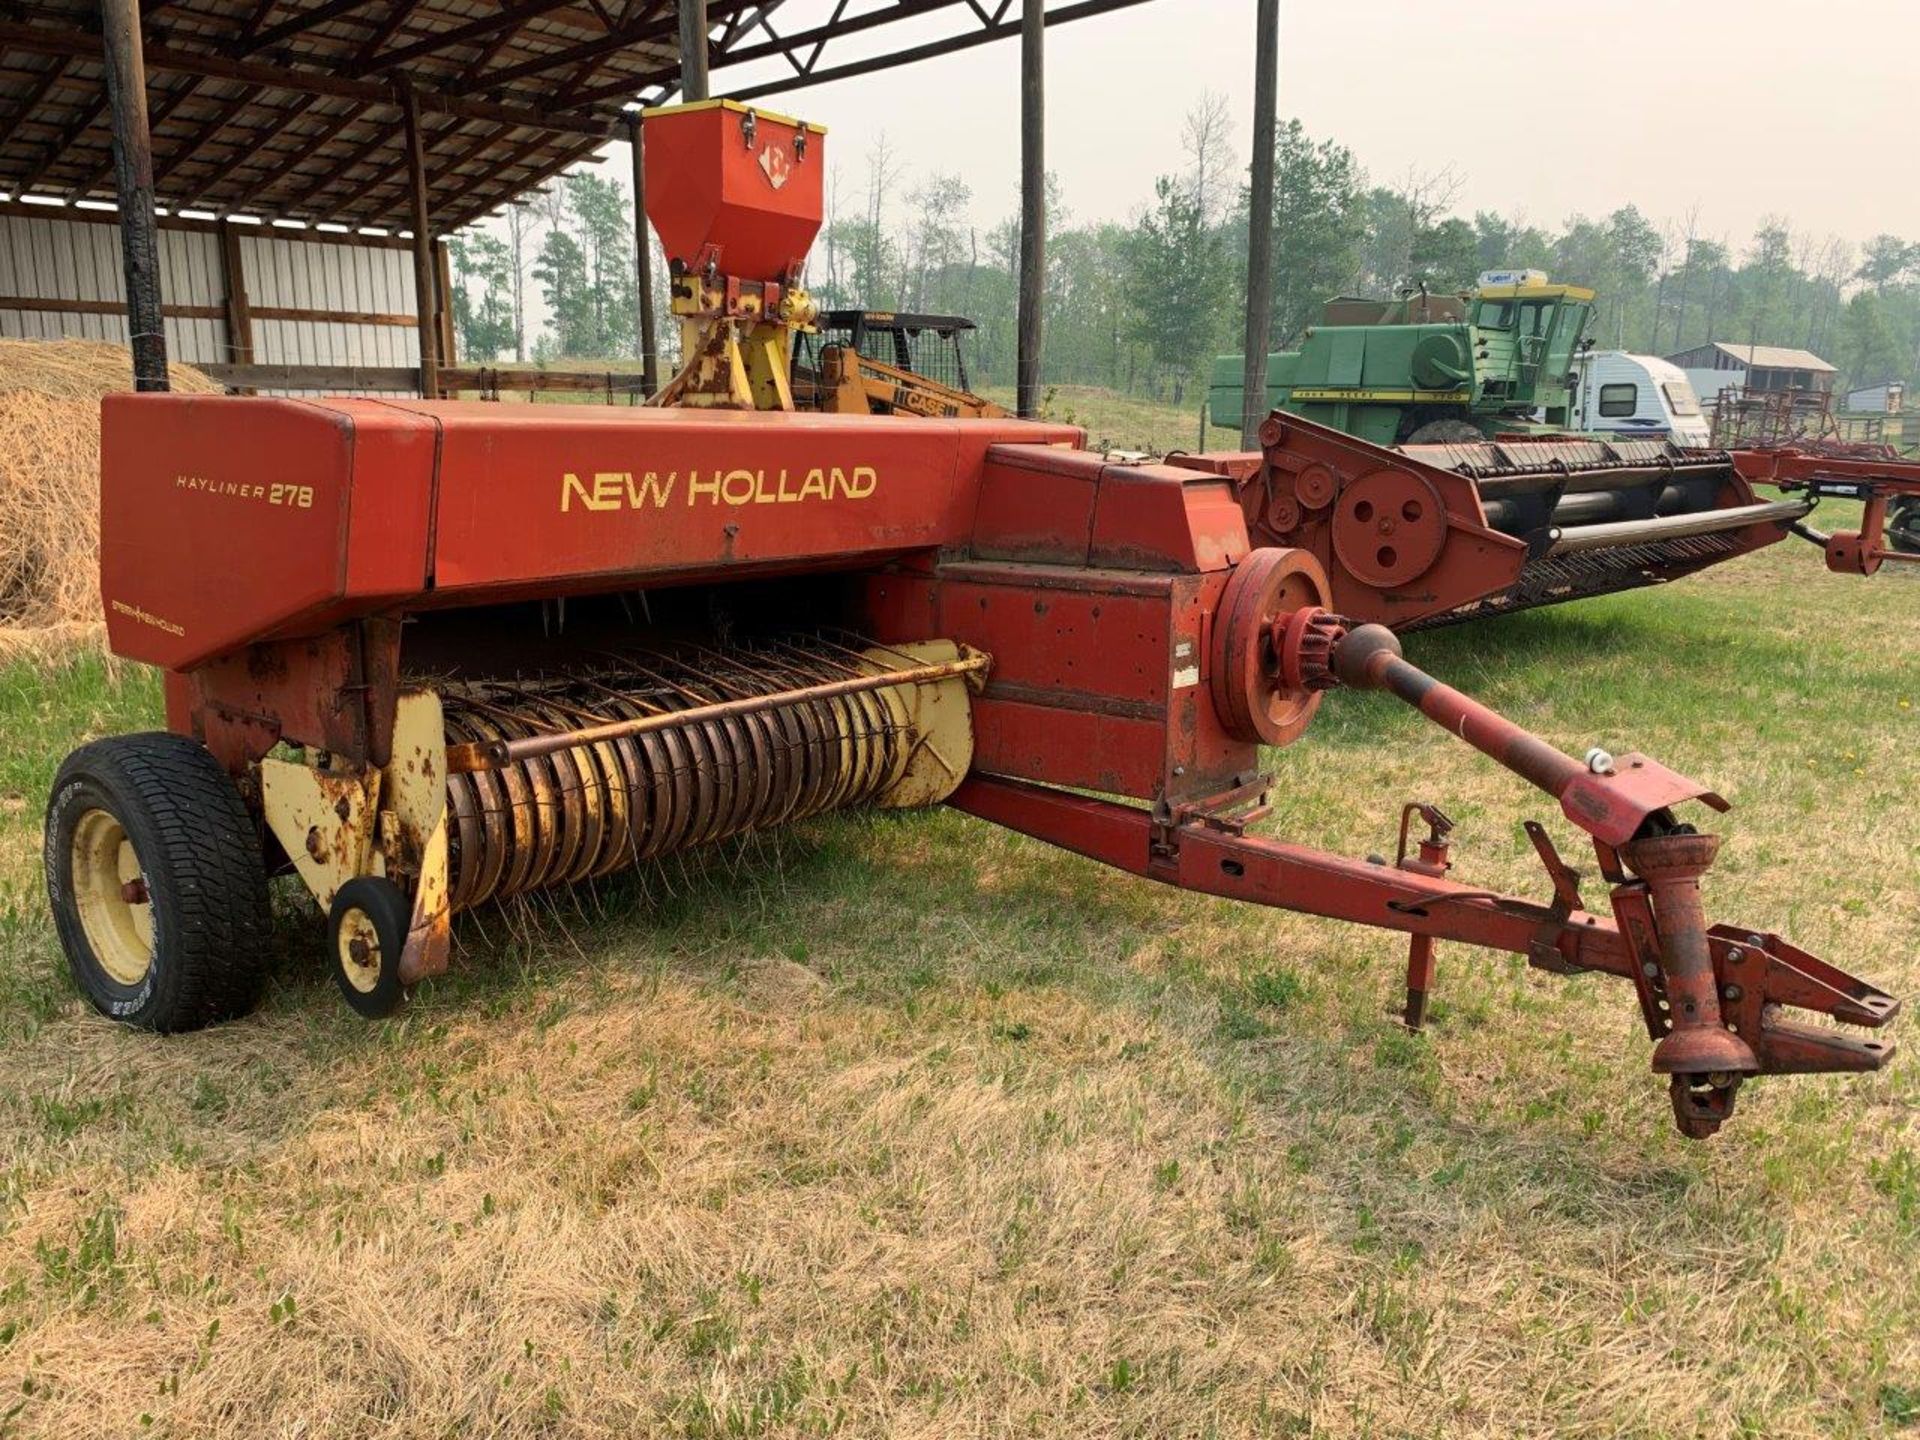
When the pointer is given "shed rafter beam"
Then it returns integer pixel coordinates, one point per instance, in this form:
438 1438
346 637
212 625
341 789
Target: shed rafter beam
63 142
840 25
648 27
452 186
217 172
261 10
190 147
522 156
741 23
1060 16
48 79
295 25
162 112
448 178
48 41
191 198
510 18
397 12
383 135
313 146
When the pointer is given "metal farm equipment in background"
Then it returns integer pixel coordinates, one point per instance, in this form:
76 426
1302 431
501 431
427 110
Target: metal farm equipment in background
1746 418
1498 360
1421 449
440 653
1432 534
882 362
1423 535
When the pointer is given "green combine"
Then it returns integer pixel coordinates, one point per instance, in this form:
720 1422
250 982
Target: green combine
1429 369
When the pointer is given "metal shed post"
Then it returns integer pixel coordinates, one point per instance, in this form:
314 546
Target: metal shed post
422 246
133 183
643 256
1033 202
1266 85
693 50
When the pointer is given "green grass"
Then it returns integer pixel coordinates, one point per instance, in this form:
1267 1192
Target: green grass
1122 422
901 1124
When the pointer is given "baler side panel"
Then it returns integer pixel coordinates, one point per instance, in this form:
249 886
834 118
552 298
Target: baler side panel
228 521
1092 585
624 496
1098 677
1035 504
1163 517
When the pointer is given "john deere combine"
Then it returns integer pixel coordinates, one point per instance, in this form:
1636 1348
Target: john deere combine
1430 368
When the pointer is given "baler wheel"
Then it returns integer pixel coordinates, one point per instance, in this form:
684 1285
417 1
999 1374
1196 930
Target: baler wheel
157 884
367 931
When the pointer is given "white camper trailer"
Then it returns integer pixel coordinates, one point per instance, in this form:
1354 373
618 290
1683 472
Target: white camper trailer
1629 394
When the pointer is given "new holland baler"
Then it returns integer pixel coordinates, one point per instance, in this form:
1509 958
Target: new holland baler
430 655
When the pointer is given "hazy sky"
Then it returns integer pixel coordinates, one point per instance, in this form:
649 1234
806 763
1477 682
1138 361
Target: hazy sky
1746 108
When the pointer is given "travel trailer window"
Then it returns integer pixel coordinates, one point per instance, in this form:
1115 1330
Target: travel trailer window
1616 400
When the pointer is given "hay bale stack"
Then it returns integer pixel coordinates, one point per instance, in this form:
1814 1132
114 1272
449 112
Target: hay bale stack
50 481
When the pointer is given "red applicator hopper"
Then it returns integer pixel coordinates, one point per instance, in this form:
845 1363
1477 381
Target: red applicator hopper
734 189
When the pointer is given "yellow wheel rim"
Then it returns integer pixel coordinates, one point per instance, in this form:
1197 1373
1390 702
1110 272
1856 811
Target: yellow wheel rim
110 892
358 951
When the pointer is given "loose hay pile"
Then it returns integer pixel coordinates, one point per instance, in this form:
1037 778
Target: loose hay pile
50 482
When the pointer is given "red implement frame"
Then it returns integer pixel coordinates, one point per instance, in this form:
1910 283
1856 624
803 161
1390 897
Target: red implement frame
1711 997
1875 481
1408 536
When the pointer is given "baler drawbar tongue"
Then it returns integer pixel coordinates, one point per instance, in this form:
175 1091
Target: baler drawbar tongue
1710 996
1713 997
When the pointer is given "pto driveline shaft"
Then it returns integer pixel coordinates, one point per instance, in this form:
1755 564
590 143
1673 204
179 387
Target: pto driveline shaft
1368 658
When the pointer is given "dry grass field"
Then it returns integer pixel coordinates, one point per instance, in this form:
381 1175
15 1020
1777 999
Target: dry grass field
906 1126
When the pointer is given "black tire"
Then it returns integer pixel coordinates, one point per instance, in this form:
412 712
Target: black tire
373 905
206 923
1903 525
1446 432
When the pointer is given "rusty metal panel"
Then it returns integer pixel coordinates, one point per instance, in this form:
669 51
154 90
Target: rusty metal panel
1098 678
1159 517
1036 503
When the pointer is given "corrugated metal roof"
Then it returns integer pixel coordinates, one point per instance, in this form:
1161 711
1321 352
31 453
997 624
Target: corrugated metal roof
1772 357
293 109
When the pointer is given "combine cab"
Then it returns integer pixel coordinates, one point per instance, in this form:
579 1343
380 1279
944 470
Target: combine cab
1424 368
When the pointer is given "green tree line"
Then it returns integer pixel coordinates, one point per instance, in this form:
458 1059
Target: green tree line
1143 305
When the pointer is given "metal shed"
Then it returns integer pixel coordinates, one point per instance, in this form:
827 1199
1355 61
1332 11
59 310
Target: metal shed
1767 367
300 126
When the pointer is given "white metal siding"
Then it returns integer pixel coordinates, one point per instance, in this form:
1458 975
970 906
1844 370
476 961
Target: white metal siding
293 274
56 259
